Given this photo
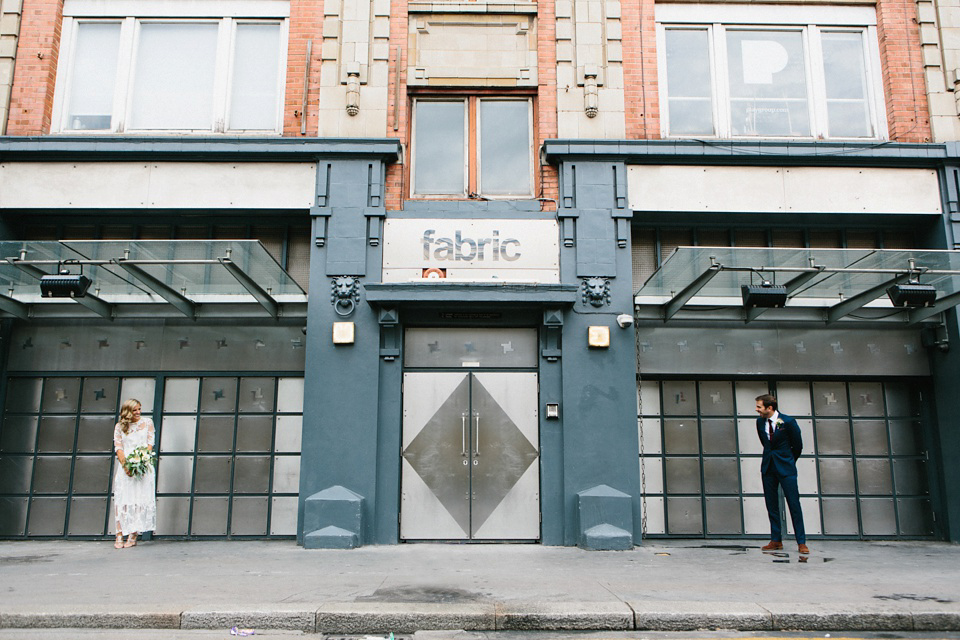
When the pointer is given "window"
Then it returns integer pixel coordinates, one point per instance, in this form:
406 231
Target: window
473 145
177 75
734 71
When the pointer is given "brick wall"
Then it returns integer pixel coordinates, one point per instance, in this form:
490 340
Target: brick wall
640 70
902 63
547 95
34 78
306 24
397 109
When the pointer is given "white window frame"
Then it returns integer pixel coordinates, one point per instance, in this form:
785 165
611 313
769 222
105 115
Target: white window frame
479 148
232 12
472 149
811 22
466 149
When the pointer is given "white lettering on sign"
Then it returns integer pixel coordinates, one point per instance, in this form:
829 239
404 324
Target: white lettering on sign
469 249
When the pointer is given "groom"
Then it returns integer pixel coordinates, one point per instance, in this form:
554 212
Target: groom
780 436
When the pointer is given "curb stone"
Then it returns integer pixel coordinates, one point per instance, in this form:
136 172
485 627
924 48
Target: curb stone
936 621
557 616
280 620
43 620
378 617
436 621
694 616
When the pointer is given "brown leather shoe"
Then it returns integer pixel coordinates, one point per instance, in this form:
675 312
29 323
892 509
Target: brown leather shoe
802 548
773 545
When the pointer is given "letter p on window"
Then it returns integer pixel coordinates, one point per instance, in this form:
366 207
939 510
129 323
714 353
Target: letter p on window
761 59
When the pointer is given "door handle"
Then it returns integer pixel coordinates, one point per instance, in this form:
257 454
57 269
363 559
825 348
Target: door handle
463 435
477 416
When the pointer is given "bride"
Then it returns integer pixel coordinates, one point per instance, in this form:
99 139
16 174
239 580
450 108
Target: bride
134 497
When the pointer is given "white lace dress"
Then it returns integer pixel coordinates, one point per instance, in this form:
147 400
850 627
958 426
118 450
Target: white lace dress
134 499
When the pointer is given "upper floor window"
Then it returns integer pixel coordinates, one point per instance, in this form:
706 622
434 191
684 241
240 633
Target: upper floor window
473 145
770 72
171 74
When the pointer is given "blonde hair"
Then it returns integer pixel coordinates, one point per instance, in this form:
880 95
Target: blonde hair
126 413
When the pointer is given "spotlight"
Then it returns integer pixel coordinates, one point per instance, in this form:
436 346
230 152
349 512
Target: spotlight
763 295
912 294
64 285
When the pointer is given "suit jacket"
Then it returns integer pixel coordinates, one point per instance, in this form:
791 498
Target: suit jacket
783 451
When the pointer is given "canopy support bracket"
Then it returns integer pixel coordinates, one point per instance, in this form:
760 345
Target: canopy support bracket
265 299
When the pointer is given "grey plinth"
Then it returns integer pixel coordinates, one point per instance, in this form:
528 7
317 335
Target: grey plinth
606 519
333 519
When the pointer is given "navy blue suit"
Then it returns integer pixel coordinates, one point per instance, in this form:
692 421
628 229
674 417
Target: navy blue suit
779 467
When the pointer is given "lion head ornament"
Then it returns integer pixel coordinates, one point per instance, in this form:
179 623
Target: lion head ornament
345 294
596 291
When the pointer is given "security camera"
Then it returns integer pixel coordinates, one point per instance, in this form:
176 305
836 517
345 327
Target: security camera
625 320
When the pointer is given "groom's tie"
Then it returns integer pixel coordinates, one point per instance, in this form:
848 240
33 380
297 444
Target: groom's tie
770 428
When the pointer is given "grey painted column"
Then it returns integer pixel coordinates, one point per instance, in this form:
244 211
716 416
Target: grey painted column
338 464
600 443
942 441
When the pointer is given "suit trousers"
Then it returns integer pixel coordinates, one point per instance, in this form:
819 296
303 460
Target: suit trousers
792 495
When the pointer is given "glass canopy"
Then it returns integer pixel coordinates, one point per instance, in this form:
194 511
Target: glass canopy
189 272
818 278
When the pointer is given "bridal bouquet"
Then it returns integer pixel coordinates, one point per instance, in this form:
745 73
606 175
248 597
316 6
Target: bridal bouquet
139 461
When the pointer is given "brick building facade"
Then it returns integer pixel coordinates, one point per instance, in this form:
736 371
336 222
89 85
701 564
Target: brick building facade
344 230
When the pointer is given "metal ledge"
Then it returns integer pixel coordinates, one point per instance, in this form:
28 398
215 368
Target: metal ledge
379 293
184 148
738 152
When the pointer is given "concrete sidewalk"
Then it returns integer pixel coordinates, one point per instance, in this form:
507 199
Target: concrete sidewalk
662 586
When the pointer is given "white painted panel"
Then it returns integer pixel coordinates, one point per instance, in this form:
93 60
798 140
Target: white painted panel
750 479
672 188
651 475
811 516
139 185
255 185
817 189
65 184
780 189
517 517
755 519
807 474
178 8
422 516
654 515
283 517
423 395
648 432
747 435
504 249
517 395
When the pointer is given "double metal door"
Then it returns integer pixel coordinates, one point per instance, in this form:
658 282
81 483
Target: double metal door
470 456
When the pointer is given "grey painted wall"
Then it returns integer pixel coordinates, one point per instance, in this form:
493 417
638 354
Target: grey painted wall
341 382
600 442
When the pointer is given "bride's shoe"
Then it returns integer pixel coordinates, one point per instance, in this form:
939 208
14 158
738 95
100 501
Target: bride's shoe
131 540
118 544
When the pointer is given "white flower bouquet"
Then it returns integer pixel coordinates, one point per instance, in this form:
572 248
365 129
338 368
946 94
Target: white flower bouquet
140 461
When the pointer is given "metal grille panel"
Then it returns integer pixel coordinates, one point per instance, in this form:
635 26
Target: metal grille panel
863 471
229 454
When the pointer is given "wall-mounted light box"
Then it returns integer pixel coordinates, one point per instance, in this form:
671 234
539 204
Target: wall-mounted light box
343 333
598 337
